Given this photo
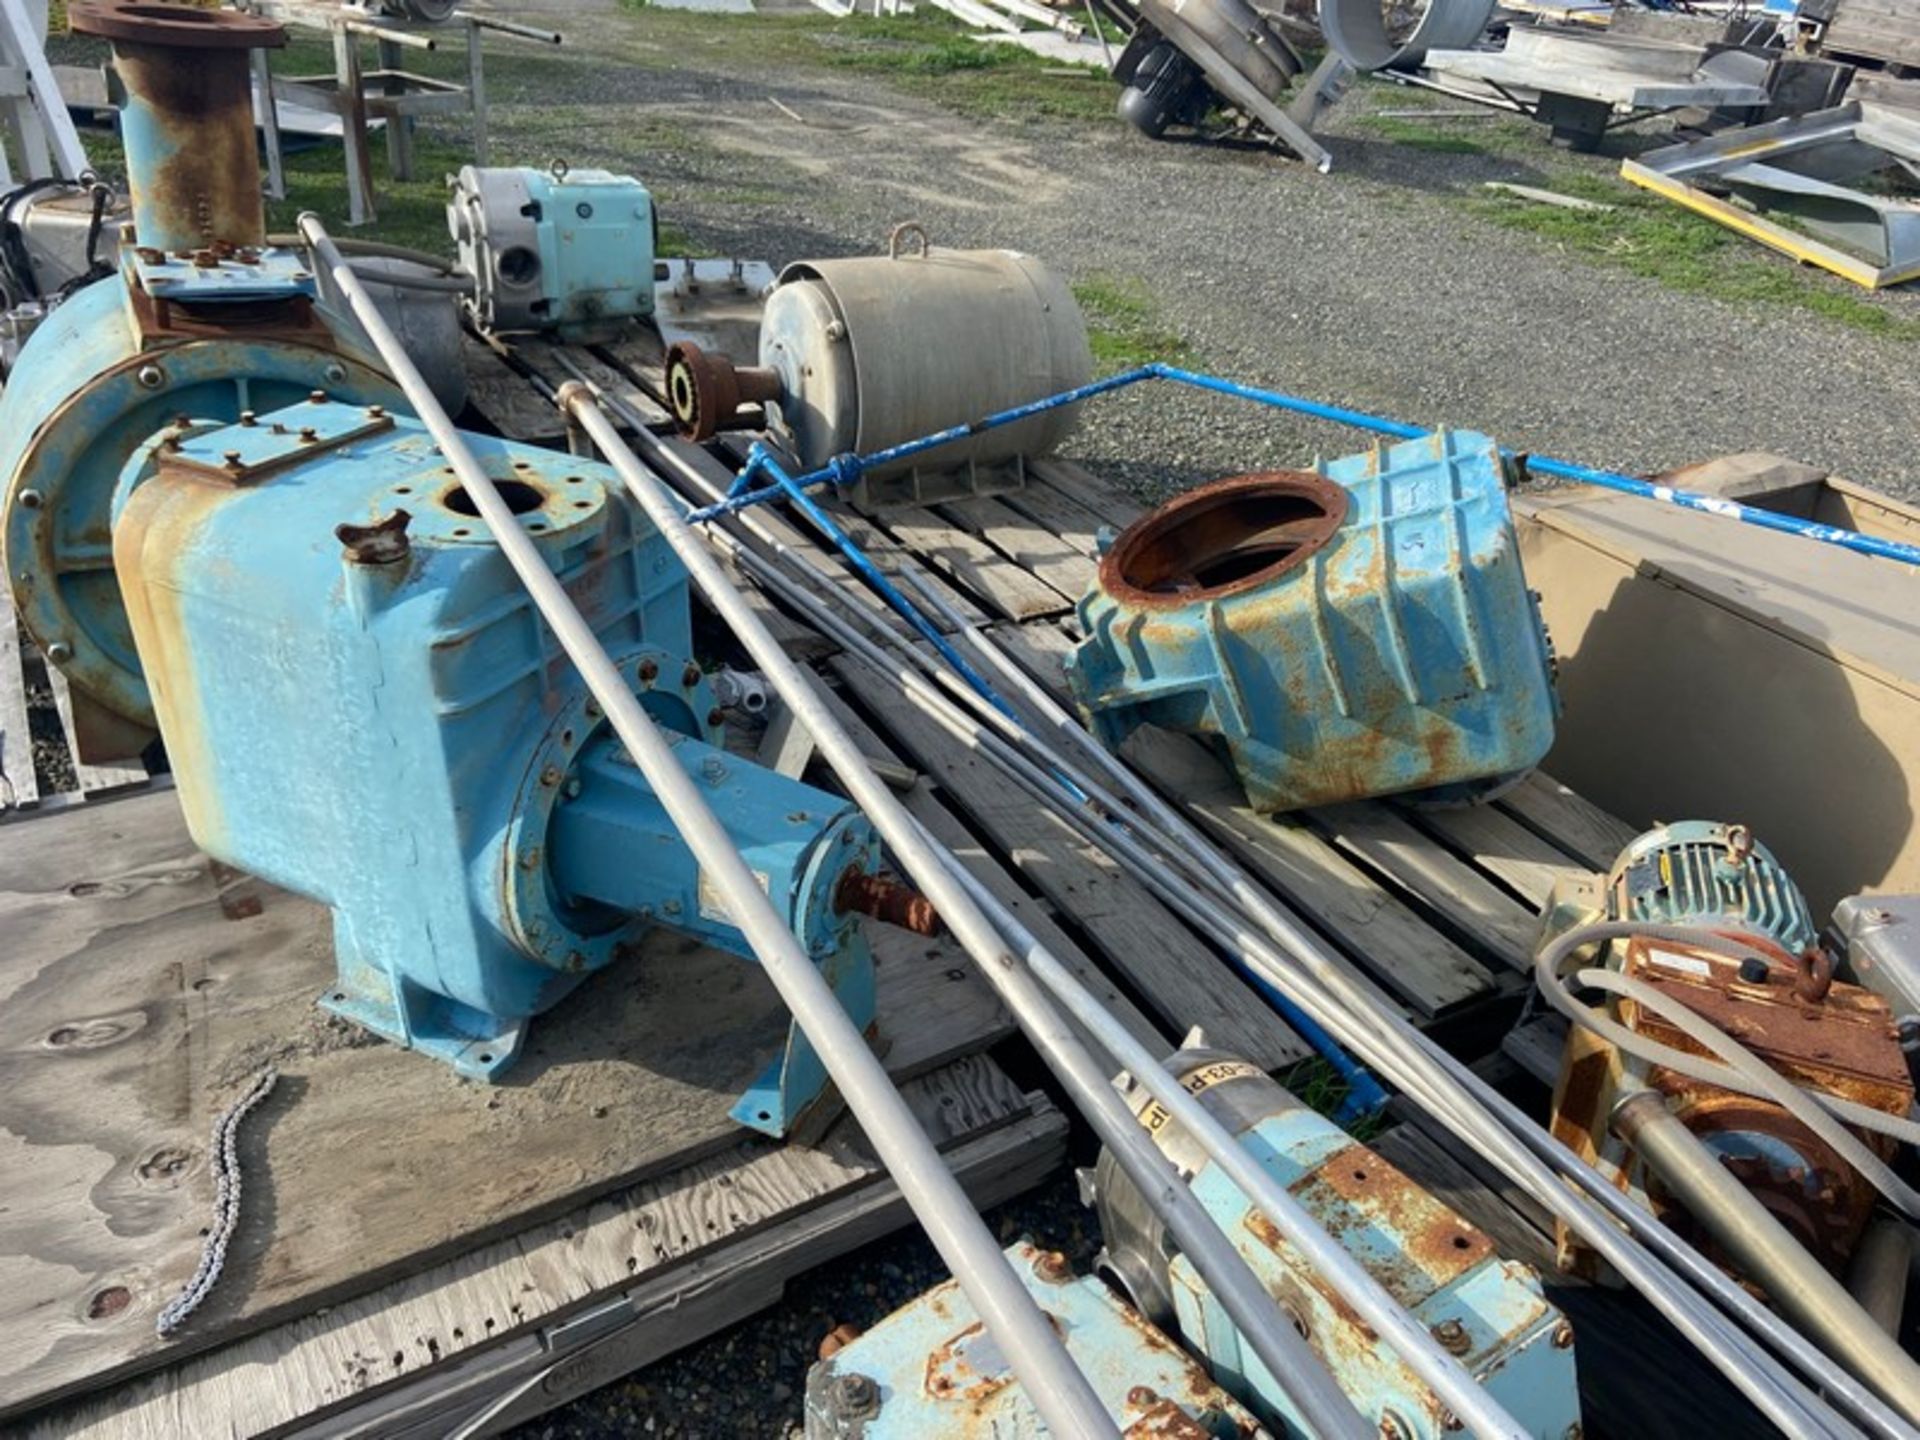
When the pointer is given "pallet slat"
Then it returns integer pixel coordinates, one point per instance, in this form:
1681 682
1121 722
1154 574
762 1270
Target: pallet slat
21 785
1179 976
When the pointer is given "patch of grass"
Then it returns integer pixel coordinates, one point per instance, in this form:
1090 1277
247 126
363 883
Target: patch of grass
975 77
1647 236
1123 325
1418 135
1316 1084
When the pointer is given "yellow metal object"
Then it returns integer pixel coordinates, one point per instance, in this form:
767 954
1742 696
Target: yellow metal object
1777 237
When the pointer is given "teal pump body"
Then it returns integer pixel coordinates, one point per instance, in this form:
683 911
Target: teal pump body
362 705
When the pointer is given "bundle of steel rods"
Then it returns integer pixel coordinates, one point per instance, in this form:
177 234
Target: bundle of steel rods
1049 756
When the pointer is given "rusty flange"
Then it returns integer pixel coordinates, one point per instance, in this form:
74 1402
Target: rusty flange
705 392
144 22
1223 538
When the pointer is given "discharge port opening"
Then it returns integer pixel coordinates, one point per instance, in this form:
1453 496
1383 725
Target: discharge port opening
520 497
1224 538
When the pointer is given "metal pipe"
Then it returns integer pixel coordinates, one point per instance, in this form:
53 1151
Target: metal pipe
193 168
846 468
1449 1379
1327 1409
1877 1276
1766 1251
1448 1090
1361 1023
1059 1391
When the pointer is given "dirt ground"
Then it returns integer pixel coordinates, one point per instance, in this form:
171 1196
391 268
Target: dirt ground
1640 337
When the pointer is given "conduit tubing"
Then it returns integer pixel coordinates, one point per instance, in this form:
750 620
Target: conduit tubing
1492 1129
1704 1327
1327 1409
1062 1395
1186 846
1766 1250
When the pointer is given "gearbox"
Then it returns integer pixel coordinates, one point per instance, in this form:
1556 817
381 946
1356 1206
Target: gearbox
362 705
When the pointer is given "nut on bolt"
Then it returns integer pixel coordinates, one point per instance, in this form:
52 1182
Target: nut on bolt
1053 1268
1562 1336
855 1395
1453 1337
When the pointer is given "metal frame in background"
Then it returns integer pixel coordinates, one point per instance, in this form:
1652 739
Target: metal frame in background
1803 161
31 109
358 96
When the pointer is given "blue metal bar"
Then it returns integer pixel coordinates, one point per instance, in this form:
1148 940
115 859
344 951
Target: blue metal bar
758 456
844 469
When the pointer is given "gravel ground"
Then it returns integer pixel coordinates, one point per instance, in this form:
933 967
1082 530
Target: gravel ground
1374 287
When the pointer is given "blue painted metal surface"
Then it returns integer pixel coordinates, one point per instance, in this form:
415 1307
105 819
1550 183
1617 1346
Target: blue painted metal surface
1490 1312
93 387
1700 872
375 716
590 259
932 1371
1366 637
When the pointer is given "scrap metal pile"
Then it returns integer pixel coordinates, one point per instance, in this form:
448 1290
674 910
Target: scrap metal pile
448 685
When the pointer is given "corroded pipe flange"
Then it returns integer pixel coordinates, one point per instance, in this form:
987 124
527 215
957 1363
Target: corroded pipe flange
1223 538
144 22
706 391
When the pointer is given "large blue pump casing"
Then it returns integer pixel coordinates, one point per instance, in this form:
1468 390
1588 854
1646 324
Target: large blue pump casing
380 719
1368 636
93 383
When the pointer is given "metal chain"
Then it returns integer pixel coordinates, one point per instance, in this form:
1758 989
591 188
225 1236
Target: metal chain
224 1159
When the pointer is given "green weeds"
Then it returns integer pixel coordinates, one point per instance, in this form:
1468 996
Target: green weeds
1123 325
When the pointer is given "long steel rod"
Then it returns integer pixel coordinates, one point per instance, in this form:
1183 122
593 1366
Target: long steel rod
1326 1408
1058 1390
1154 872
1458 1107
846 468
1448 1378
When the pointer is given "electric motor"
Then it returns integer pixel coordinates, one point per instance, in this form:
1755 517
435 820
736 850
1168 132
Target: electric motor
859 355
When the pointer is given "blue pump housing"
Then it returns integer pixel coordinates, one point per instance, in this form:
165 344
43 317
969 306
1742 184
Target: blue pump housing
362 705
1365 630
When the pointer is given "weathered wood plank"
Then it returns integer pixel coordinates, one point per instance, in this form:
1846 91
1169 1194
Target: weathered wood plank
1574 824
1180 978
1503 847
510 404
681 1256
94 779
140 987
924 802
1058 514
541 356
19 784
1045 556
1496 921
972 563
1086 489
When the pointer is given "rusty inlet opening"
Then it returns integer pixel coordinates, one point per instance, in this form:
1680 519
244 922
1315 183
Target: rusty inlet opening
1224 538
520 497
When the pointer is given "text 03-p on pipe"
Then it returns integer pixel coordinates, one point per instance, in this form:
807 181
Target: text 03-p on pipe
1063 1396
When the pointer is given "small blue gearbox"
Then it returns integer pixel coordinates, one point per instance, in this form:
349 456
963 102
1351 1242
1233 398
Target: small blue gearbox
362 705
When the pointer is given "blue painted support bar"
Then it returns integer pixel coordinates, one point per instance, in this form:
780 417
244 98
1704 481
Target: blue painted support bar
846 468
760 457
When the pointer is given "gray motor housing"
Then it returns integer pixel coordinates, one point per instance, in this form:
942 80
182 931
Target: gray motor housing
1882 935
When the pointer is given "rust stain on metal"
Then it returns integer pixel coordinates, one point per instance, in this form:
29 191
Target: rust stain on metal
887 901
1223 538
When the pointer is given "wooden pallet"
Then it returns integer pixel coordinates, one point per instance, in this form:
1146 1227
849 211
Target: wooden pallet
431 1253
